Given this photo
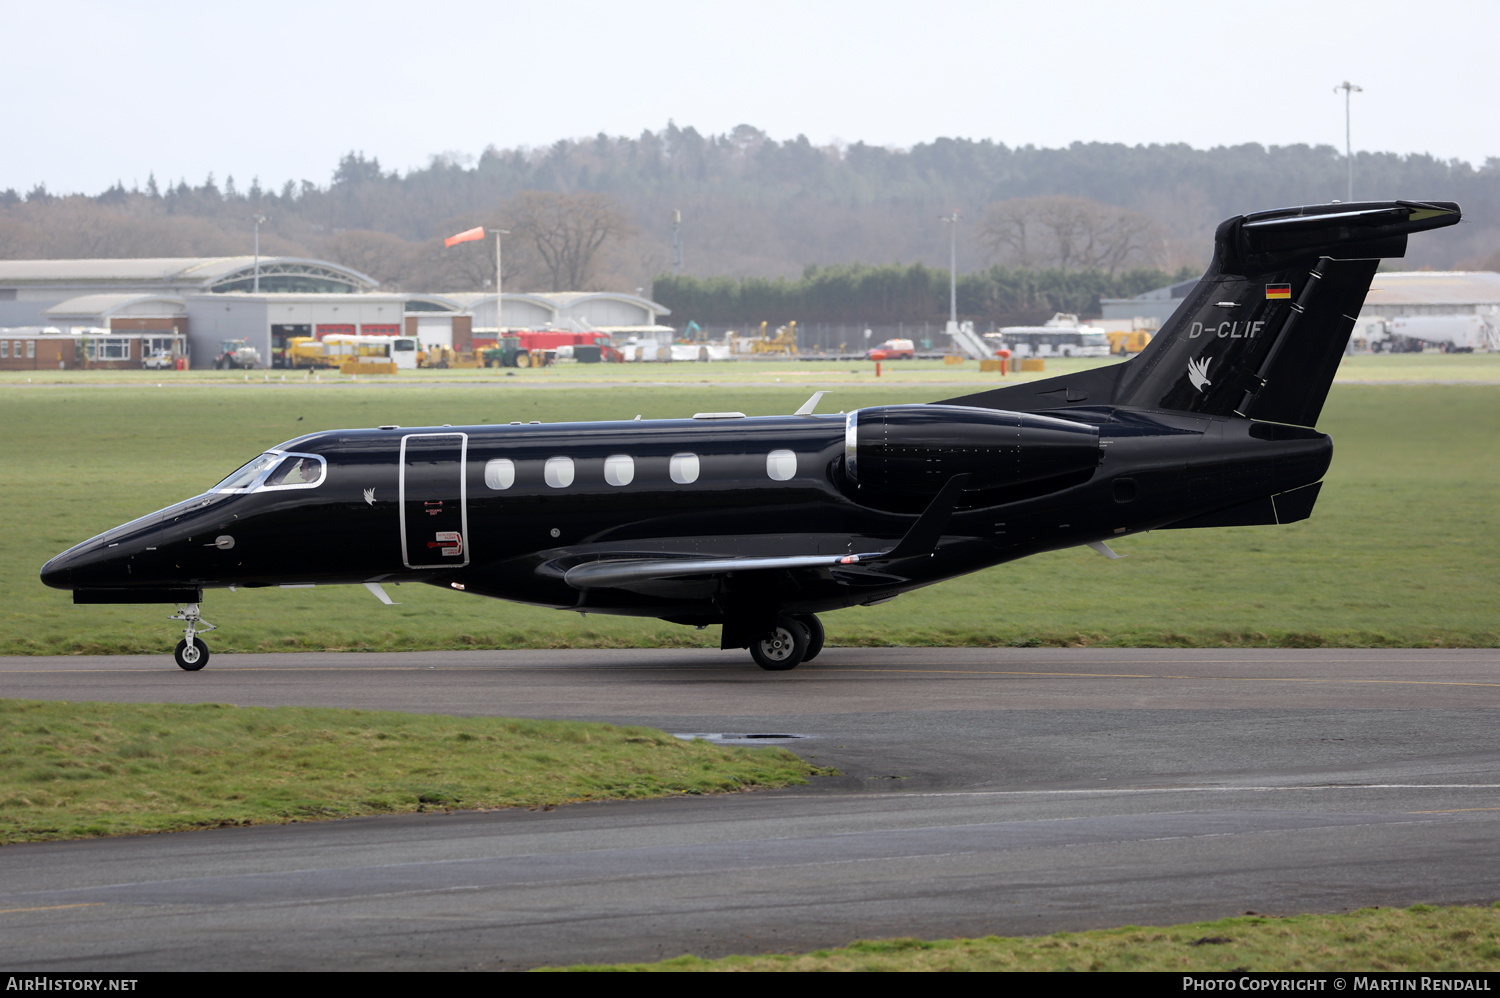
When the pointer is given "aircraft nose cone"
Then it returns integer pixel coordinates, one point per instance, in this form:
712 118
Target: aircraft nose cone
57 573
87 564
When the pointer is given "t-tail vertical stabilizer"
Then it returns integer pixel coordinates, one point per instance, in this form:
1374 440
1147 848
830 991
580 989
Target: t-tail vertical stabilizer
1262 333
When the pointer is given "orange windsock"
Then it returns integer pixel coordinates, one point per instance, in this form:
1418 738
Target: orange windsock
465 237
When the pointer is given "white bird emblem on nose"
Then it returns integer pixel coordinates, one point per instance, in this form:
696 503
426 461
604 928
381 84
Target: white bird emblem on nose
370 496
1198 373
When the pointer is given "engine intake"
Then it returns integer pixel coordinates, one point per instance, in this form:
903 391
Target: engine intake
914 450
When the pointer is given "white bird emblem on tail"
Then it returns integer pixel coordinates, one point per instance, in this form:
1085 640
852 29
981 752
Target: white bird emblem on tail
370 496
1198 373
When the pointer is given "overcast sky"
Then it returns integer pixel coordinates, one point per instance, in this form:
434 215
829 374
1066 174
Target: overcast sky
100 91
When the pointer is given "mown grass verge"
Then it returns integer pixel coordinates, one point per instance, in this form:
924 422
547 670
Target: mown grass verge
1419 938
77 770
1401 550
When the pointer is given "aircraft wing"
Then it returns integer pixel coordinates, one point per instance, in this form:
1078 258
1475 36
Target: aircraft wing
635 571
625 573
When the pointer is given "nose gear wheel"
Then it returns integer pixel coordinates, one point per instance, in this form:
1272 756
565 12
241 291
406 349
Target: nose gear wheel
191 653
191 657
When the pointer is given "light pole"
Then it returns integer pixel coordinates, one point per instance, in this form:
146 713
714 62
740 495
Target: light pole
1348 88
676 242
499 328
257 218
951 220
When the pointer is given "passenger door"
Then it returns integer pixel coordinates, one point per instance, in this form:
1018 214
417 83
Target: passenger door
434 501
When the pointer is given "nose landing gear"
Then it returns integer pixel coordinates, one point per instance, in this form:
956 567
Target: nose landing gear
191 653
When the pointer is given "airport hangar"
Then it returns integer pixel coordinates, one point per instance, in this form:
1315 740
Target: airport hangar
206 300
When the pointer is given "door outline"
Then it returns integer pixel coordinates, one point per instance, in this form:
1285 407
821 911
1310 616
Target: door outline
463 498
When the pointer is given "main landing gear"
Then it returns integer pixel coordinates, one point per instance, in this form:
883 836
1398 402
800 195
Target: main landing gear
796 638
191 653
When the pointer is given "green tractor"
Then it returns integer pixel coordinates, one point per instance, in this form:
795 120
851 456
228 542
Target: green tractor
507 353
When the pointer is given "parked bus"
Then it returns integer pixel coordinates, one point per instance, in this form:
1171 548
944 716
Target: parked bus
1059 336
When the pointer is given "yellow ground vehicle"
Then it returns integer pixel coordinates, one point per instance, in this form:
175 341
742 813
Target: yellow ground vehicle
1133 341
785 341
355 353
441 356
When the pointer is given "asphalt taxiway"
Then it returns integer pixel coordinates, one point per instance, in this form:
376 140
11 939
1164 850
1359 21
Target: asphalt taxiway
982 791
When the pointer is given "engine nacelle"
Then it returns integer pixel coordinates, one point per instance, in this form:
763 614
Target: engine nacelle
915 449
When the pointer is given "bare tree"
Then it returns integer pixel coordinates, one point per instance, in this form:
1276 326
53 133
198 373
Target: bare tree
1010 229
387 258
1069 233
566 231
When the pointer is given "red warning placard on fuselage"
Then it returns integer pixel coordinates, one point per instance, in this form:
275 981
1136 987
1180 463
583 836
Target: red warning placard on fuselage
450 541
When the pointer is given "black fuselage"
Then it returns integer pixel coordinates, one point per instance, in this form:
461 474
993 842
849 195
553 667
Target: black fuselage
427 505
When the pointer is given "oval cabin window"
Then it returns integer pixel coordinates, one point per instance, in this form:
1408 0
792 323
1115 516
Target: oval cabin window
619 469
781 465
558 472
500 473
684 468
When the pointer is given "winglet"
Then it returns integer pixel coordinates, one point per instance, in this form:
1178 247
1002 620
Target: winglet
924 535
809 405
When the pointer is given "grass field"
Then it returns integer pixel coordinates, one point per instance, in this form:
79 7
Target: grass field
1402 549
1420 938
76 770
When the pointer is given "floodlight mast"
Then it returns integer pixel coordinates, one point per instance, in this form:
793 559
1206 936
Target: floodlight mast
1348 88
676 242
951 220
257 218
499 328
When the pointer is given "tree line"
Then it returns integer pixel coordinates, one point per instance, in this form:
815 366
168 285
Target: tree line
753 206
910 293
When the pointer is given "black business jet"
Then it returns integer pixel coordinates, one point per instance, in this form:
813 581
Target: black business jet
759 524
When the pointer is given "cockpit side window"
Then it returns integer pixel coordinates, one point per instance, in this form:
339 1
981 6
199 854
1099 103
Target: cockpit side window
298 469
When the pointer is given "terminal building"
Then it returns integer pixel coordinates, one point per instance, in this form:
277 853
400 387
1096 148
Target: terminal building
203 301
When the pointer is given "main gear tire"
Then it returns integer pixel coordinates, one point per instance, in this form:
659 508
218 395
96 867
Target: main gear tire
192 658
784 648
814 635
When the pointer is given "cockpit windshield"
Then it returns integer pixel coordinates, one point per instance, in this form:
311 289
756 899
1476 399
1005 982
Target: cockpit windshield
274 470
246 476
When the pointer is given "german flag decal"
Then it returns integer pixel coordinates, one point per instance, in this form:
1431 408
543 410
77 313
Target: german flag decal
1278 291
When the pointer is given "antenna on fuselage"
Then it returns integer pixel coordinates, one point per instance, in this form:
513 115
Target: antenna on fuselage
809 405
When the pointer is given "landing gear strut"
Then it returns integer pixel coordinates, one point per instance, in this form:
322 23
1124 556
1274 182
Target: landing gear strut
191 653
795 639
